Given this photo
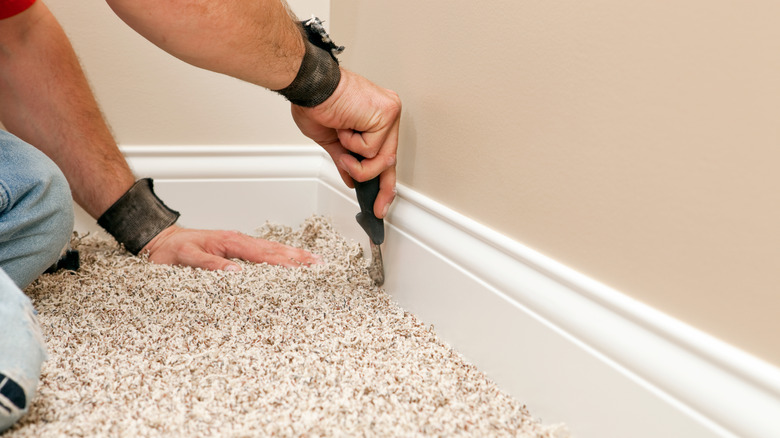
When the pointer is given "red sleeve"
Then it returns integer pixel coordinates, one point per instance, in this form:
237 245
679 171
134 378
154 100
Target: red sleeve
9 8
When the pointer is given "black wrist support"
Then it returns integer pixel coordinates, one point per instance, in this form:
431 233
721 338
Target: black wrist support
137 216
319 73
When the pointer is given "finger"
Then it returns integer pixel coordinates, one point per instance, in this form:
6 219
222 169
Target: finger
387 179
194 256
363 171
336 151
257 250
371 167
213 263
383 160
387 193
363 143
377 127
347 178
368 168
291 257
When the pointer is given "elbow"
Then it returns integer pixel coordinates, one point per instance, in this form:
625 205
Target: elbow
16 31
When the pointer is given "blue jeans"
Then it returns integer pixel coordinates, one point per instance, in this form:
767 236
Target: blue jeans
36 222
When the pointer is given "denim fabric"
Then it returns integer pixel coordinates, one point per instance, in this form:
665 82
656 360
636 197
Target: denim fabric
22 352
36 210
36 222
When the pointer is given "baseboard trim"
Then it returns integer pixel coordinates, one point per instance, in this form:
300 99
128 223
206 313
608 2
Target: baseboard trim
602 362
231 162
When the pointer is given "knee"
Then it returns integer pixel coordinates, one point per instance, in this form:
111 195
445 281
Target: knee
57 205
53 219
37 210
32 184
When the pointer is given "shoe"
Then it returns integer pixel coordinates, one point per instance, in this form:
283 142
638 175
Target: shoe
12 398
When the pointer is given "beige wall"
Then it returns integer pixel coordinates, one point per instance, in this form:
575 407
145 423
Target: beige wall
638 143
149 97
635 143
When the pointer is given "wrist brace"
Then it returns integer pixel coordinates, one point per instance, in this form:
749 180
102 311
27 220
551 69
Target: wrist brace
319 73
137 217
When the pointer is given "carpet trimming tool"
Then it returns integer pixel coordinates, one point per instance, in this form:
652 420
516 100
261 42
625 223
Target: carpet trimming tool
366 193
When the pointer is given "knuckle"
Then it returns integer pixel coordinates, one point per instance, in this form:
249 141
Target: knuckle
395 101
189 253
229 238
230 234
394 107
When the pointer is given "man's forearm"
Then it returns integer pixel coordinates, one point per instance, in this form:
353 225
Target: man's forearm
253 40
46 100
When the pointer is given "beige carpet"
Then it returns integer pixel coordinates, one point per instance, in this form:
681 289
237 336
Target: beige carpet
138 349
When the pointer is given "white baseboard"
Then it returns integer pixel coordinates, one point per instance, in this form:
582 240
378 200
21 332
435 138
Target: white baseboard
572 349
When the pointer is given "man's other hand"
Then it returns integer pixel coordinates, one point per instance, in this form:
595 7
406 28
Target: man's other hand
211 249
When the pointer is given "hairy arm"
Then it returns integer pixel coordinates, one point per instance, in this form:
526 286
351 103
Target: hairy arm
46 101
258 41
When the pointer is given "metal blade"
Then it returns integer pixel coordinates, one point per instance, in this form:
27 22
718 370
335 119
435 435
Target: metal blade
376 270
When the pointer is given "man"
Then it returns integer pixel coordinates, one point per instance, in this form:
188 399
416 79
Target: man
59 148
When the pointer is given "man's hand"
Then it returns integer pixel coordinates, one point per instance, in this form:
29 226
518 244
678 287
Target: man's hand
360 117
212 250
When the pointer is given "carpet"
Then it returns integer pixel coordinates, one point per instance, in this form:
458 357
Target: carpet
139 349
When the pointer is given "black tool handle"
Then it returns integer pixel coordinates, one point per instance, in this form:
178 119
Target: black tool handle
367 192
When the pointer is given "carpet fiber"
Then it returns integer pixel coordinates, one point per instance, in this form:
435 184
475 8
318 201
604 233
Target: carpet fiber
138 349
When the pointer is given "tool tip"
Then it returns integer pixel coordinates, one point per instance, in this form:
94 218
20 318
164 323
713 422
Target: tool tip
377 268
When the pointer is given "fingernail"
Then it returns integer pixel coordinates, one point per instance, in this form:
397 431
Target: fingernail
343 166
233 268
384 210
